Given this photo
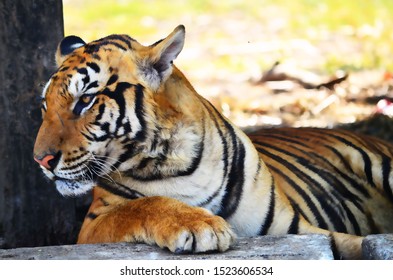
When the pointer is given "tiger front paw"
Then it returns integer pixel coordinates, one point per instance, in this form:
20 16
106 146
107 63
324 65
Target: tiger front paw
203 235
164 221
193 230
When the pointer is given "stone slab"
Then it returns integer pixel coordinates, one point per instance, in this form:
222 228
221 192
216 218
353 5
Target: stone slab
378 247
286 247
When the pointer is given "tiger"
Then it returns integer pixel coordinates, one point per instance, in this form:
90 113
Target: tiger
167 168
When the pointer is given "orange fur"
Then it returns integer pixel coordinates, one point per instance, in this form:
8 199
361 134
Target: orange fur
153 220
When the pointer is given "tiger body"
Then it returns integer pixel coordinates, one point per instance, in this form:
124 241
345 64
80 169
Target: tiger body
167 168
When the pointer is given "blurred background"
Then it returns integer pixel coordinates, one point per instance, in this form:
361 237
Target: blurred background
262 63
266 62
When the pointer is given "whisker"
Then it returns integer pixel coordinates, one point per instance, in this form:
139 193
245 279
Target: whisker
106 167
102 167
89 170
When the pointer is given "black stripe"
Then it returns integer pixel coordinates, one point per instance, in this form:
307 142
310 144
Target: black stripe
93 66
130 151
124 38
63 69
270 214
296 208
112 79
344 176
91 215
318 191
224 155
194 242
223 139
118 189
333 180
156 43
341 188
156 138
366 158
316 134
349 196
386 163
357 186
118 96
352 219
335 250
71 170
101 111
140 112
314 210
104 128
121 102
92 85
144 162
75 158
386 170
234 187
114 44
95 46
88 137
82 70
86 78
354 136
294 226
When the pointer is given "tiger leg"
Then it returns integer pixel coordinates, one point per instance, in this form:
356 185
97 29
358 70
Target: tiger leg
345 246
154 220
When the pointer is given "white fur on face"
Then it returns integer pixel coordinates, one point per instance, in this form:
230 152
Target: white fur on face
73 188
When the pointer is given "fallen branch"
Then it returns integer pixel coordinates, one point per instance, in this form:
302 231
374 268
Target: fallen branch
273 75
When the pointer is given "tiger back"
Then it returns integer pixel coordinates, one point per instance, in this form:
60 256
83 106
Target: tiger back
168 168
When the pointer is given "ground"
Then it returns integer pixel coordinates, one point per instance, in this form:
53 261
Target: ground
231 49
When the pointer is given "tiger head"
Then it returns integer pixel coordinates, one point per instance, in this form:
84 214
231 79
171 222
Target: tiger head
103 105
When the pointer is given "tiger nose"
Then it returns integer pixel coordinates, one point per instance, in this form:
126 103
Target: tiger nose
48 161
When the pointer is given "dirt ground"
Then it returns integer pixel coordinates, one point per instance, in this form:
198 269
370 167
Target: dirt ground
271 81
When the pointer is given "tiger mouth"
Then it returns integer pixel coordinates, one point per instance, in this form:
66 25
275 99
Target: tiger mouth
77 181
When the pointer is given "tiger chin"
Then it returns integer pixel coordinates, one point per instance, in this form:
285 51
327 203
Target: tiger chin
167 168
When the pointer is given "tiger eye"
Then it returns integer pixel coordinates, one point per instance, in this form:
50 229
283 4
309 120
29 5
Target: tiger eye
86 98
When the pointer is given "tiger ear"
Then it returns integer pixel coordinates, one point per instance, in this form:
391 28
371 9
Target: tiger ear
161 57
67 46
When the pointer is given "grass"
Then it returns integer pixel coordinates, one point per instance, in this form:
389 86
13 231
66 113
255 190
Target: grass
99 18
366 25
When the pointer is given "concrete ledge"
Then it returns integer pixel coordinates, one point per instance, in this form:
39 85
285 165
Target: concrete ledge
287 247
378 247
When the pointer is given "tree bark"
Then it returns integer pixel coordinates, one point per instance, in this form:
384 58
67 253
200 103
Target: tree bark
32 213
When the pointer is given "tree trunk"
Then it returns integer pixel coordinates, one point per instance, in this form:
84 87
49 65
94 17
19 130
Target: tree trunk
32 213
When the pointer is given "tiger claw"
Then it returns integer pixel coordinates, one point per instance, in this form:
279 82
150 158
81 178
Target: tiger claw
213 234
